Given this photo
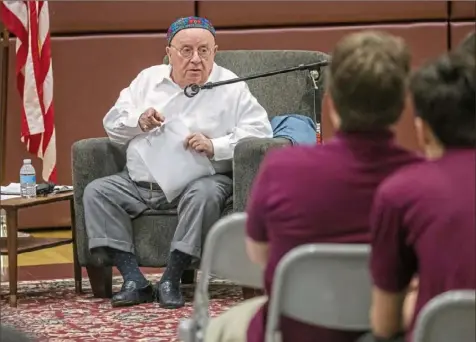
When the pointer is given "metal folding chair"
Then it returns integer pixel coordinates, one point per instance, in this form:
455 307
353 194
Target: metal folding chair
449 317
224 256
328 285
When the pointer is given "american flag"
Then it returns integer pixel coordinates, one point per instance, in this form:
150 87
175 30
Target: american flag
29 22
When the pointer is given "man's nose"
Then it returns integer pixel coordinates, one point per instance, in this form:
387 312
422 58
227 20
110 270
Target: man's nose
195 58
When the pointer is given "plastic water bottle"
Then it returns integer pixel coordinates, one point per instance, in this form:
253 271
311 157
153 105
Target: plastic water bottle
3 223
3 234
27 180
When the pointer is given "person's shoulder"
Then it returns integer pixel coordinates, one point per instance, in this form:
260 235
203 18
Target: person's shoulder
291 157
323 154
304 166
416 178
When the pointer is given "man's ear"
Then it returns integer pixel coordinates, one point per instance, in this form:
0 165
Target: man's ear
423 131
428 140
214 51
167 51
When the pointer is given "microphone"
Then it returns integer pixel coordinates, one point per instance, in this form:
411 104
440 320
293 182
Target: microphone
193 89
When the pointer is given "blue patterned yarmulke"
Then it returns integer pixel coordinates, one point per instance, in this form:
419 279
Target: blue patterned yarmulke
189 22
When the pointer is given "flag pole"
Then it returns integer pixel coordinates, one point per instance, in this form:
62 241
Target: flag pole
4 47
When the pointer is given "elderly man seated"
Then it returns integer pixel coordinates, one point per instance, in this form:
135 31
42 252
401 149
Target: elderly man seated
217 119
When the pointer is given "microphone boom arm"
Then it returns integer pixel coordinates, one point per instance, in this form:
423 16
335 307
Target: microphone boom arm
193 89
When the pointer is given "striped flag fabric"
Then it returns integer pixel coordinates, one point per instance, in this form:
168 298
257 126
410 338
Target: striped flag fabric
29 22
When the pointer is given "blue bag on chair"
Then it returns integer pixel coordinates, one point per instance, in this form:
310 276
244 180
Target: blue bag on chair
299 129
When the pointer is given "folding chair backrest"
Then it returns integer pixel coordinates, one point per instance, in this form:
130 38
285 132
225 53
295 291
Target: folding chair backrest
225 254
449 317
322 284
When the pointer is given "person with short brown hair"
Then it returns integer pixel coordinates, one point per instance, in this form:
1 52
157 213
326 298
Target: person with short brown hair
423 219
367 80
324 193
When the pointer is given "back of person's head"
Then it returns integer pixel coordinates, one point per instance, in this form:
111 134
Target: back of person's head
367 80
468 45
444 95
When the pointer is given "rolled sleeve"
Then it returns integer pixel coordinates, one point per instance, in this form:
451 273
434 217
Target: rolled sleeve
121 122
250 121
222 148
132 120
392 262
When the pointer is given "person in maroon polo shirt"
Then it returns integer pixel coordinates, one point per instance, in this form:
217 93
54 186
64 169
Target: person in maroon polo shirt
424 218
324 193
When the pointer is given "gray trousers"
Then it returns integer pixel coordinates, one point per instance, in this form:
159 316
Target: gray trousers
111 203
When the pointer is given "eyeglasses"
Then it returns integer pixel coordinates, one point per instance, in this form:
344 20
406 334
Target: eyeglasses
187 52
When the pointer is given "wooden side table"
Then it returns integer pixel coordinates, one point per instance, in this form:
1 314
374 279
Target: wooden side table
13 245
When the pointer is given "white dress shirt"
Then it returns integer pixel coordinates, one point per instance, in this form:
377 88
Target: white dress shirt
225 114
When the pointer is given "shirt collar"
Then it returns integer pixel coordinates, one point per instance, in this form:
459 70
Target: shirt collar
377 136
366 144
166 76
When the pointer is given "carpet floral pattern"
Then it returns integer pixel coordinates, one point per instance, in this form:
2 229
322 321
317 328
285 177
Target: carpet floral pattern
51 311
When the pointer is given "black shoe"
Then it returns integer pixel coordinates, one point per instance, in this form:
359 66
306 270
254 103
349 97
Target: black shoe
131 295
169 295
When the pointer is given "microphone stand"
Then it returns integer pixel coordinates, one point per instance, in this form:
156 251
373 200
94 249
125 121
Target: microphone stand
193 89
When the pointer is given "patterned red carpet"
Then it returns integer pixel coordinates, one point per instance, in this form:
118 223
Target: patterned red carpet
51 311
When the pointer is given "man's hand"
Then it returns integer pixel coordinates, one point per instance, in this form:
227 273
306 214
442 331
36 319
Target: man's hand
150 119
200 143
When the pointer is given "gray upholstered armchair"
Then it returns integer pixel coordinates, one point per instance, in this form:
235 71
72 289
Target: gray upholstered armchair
94 158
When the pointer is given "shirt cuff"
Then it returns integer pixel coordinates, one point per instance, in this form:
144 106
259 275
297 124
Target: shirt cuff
132 120
221 148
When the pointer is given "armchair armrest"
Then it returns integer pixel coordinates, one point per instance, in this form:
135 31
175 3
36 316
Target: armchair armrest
247 158
91 159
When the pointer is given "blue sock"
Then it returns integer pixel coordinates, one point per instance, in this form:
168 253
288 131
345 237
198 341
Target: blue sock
127 265
177 264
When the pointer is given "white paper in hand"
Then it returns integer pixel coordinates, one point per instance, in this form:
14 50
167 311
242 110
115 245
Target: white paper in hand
172 166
